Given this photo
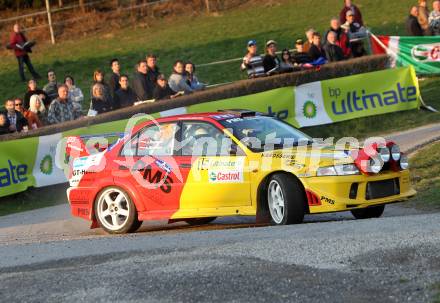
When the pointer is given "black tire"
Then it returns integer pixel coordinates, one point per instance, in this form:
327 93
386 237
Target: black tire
200 221
369 212
130 223
294 200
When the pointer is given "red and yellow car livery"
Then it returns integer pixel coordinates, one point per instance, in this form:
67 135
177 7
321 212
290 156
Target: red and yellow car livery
197 167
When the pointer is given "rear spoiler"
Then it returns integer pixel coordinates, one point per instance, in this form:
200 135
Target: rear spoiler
79 146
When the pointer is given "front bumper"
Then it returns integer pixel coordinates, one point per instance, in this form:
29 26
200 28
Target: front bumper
336 193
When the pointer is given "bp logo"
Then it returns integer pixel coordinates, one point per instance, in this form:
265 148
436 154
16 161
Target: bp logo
309 109
46 165
212 176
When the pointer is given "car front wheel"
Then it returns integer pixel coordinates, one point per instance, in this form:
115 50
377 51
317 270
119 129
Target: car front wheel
367 213
115 211
285 199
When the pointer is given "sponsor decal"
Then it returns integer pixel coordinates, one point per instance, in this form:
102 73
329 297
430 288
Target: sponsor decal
163 165
228 170
13 174
222 116
46 165
225 176
163 182
426 52
328 200
309 109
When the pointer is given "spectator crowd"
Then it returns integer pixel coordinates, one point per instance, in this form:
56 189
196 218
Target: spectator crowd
58 102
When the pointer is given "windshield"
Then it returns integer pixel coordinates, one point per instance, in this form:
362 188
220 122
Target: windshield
262 133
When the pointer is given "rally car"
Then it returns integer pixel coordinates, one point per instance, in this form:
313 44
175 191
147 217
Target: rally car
196 167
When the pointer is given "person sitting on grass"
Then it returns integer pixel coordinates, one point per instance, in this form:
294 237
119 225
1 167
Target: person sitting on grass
16 121
99 103
4 124
333 52
192 79
316 52
75 93
32 89
62 109
271 62
177 80
125 96
35 115
163 90
252 62
51 88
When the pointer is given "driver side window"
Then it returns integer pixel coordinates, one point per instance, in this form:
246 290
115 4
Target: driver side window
204 139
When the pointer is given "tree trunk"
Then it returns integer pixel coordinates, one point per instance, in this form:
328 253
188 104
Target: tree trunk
82 7
60 3
207 6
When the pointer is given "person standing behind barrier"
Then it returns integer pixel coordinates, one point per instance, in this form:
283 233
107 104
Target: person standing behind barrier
333 52
349 6
316 52
115 76
152 70
17 42
341 37
355 33
32 89
192 79
413 27
309 42
99 78
177 80
140 82
75 93
4 124
434 18
62 109
423 17
16 121
35 115
125 96
51 88
299 56
252 62
163 90
99 103
286 64
271 62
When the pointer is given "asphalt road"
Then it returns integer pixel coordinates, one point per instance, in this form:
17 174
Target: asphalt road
48 256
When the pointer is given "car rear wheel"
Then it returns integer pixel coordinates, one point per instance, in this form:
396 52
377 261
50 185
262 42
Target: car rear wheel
285 199
200 221
115 211
367 213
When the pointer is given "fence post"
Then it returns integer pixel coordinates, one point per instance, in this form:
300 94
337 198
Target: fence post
49 20
207 6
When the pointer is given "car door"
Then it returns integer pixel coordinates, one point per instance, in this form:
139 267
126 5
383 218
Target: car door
217 175
148 158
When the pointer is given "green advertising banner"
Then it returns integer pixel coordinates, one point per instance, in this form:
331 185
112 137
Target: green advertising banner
38 161
421 52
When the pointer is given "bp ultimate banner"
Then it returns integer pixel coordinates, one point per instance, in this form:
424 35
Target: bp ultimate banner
39 161
421 52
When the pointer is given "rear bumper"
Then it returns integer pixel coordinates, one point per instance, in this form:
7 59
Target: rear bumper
336 193
81 201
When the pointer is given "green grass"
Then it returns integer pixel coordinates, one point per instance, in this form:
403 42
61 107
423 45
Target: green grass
33 198
437 291
425 175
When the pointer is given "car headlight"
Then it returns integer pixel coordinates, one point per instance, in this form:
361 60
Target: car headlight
404 164
375 165
338 170
395 152
384 153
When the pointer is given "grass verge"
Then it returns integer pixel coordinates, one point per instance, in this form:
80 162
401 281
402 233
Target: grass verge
425 174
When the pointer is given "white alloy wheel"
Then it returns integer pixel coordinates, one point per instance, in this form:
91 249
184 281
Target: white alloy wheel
276 201
113 209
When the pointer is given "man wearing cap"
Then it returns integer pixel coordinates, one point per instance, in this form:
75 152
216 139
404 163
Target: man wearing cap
163 90
299 56
356 33
357 15
252 62
271 62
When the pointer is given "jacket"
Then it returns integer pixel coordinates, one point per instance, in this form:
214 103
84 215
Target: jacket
125 98
163 92
114 82
271 63
51 90
19 121
342 41
177 83
413 27
20 39
141 86
316 52
32 119
62 111
30 93
100 105
333 52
